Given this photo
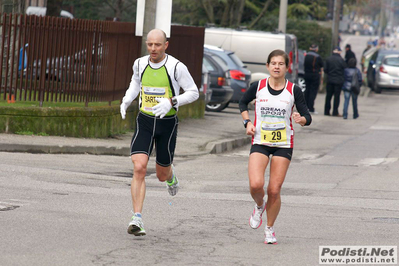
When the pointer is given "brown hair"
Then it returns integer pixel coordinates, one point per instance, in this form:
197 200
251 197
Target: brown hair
279 53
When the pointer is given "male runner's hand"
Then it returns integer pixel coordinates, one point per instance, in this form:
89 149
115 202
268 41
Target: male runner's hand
124 107
162 108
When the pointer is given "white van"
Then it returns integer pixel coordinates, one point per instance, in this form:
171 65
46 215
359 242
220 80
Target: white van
253 48
41 11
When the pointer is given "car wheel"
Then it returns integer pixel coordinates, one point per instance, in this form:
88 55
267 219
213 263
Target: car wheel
301 83
377 88
216 107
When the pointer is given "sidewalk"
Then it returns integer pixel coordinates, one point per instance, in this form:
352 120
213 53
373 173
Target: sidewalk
216 133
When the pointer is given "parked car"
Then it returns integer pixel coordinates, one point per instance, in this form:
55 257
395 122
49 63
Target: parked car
206 84
71 67
387 75
220 82
41 11
253 48
374 65
240 75
301 69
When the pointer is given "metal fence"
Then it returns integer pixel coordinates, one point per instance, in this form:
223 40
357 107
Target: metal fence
49 59
59 59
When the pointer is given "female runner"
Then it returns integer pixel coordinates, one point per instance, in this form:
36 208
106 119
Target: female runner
272 134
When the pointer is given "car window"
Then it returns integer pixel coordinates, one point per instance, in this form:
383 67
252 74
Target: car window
379 58
382 54
208 64
220 61
236 60
392 61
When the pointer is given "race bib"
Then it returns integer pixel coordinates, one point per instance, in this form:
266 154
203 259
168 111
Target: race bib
148 95
272 133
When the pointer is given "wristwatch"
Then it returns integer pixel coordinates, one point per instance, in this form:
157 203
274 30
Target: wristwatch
174 101
245 122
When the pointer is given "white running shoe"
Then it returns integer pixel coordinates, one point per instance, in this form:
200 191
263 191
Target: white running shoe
173 186
136 226
270 235
255 221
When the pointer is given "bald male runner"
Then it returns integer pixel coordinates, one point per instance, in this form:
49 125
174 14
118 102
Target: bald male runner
157 78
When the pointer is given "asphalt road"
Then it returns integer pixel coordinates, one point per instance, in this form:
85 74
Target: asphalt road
342 188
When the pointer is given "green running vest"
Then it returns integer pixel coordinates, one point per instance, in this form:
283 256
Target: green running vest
155 83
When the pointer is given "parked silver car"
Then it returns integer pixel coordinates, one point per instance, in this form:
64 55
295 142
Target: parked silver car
206 84
387 75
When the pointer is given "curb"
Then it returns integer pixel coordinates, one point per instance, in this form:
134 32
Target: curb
60 149
215 147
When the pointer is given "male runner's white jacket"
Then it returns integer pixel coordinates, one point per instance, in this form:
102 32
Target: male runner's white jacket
179 76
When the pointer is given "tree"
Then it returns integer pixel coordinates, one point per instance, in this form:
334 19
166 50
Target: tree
265 7
124 10
54 8
298 11
225 13
118 6
232 14
86 9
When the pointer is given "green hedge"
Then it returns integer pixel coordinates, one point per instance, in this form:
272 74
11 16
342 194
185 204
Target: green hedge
90 122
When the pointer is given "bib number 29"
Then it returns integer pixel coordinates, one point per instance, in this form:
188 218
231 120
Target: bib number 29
276 135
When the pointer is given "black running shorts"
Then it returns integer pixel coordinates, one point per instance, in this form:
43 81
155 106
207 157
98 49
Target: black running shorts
275 151
151 130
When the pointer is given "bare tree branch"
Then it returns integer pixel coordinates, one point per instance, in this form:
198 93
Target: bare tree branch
267 3
110 5
208 7
226 12
239 12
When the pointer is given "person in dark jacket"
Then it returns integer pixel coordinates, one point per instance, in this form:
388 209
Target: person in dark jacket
348 74
348 53
334 68
313 65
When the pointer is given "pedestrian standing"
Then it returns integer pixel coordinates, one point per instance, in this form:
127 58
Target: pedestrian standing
363 59
348 53
157 79
313 65
272 134
334 68
350 71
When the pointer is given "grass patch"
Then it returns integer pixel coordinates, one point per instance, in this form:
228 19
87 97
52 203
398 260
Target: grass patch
57 100
4 103
30 133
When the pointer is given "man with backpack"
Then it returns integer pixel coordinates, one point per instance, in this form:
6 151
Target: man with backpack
351 87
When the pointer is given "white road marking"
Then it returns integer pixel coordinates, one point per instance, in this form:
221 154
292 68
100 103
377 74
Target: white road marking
377 161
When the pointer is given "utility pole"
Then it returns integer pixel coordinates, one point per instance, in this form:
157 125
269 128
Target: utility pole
282 20
380 33
149 22
336 19
152 14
